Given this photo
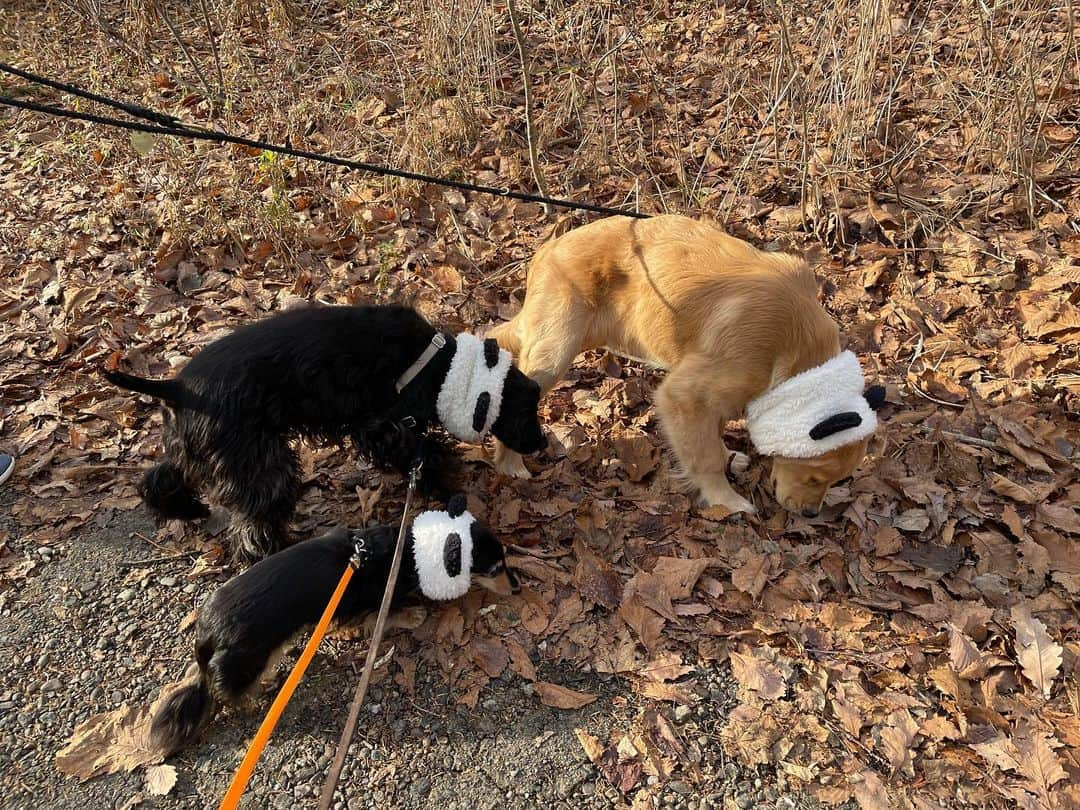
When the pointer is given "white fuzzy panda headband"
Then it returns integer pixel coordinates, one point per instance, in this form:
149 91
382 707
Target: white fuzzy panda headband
471 394
816 411
442 550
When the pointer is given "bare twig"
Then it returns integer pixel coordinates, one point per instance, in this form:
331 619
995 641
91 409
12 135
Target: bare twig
164 12
213 46
94 18
530 127
155 560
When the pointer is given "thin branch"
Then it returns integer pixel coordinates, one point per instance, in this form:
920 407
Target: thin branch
530 130
164 12
213 46
102 26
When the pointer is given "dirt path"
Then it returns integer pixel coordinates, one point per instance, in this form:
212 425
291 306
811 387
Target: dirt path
84 635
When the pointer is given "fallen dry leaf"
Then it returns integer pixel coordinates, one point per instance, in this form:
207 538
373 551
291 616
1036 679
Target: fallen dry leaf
752 575
1038 654
638 454
666 668
897 738
1039 764
679 575
520 662
594 750
870 791
489 654
109 742
160 779
595 579
758 676
559 697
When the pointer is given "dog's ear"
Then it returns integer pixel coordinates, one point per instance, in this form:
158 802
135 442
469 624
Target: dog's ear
834 424
457 505
491 352
875 396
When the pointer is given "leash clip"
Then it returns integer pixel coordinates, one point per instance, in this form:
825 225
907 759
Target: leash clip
414 474
359 551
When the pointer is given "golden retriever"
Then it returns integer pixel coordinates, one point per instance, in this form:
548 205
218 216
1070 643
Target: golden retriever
737 330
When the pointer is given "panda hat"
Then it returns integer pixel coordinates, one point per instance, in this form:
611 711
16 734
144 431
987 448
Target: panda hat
471 393
443 550
816 411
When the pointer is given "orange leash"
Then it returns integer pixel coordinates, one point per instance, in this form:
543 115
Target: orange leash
247 767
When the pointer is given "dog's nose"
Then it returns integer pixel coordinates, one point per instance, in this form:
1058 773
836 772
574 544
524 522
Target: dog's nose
810 513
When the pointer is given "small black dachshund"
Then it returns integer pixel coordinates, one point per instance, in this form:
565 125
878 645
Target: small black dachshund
378 375
245 624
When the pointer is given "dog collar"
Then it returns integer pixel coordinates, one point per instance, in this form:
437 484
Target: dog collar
471 394
813 412
438 340
442 552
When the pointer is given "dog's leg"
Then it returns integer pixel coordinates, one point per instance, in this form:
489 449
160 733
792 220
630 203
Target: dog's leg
544 354
168 488
507 336
259 483
693 413
395 445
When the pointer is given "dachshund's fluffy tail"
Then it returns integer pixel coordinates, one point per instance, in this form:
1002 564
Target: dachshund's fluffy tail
182 717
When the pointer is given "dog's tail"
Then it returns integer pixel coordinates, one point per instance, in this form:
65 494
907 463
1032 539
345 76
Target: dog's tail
182 716
165 490
169 390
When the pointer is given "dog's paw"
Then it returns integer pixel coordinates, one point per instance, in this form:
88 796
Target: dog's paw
511 464
730 501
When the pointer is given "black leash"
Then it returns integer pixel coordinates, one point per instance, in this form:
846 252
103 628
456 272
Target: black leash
167 125
134 110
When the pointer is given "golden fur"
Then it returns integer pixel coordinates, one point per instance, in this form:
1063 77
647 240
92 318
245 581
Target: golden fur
726 320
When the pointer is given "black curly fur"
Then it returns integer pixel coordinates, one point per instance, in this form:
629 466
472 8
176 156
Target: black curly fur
242 626
167 494
324 373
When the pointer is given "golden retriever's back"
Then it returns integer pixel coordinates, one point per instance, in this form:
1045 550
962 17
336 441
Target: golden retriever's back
670 284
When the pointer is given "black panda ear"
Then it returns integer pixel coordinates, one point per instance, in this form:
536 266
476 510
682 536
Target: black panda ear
834 424
491 352
875 396
456 506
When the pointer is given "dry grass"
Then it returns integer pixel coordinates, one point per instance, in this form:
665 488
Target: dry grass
693 107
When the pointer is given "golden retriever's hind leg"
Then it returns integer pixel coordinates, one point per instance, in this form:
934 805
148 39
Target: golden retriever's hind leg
693 420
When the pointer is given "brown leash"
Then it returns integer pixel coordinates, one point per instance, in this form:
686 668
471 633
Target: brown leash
330 785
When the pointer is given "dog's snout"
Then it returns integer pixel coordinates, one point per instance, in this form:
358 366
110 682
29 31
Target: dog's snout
807 512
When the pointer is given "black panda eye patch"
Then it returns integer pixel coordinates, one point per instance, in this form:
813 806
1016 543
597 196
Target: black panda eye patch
834 424
479 417
452 554
491 352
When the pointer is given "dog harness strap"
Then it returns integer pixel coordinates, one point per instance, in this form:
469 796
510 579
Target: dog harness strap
437 342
